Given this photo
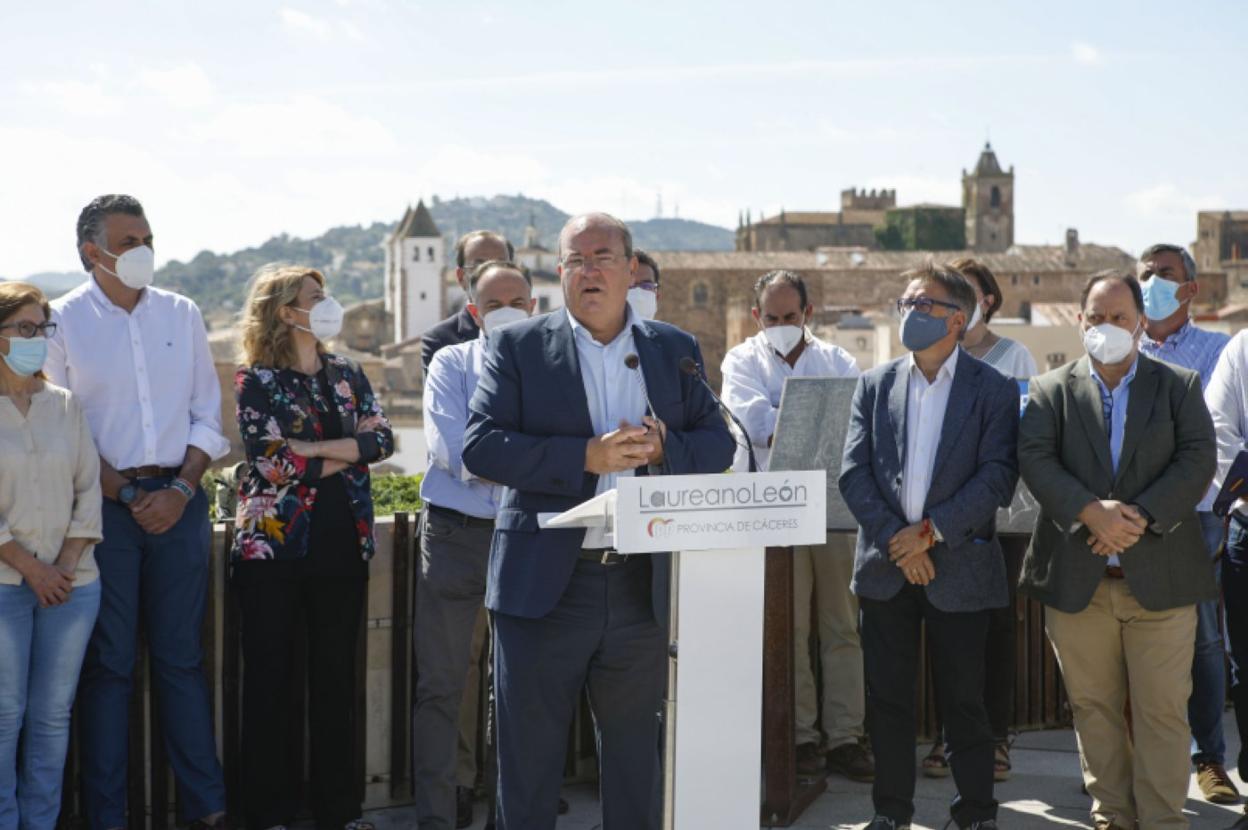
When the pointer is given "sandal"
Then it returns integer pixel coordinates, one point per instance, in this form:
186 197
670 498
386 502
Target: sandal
936 765
1001 762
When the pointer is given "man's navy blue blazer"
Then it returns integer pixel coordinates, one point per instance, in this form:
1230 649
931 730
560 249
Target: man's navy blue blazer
975 472
528 425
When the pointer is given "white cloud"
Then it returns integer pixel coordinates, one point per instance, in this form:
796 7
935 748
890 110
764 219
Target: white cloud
1085 53
185 86
79 98
1167 200
303 23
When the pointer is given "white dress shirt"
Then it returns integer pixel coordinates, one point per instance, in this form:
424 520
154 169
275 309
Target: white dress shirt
145 378
613 391
449 384
1227 398
753 379
925 416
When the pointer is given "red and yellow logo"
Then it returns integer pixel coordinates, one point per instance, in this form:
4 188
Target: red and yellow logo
656 526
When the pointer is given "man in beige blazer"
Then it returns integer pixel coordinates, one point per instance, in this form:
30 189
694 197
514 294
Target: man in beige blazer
1118 449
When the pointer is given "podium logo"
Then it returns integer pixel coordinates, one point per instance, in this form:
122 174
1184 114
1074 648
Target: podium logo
659 528
751 496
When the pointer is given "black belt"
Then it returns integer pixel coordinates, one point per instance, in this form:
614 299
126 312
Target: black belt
461 519
149 471
603 556
1114 572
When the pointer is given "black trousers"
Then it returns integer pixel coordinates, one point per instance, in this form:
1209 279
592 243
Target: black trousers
890 645
1001 653
276 596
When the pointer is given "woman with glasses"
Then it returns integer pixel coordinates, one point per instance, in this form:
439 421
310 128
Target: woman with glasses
304 534
49 583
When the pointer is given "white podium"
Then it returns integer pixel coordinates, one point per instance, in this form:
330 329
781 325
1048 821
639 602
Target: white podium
716 527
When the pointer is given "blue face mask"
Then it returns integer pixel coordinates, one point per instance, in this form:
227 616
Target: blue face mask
26 354
920 331
1160 300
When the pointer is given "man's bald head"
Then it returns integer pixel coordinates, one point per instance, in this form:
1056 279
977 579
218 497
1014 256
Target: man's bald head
588 221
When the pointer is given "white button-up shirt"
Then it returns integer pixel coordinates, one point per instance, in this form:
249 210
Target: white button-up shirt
1227 398
925 416
613 391
144 378
753 380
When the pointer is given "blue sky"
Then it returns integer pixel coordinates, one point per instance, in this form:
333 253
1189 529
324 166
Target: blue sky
234 121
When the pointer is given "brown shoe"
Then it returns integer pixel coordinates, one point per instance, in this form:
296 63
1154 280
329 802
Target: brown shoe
809 760
1215 785
853 760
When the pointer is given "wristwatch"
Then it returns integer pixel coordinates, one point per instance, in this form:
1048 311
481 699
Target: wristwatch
128 493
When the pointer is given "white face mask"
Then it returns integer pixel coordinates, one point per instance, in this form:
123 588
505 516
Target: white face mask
645 303
500 317
324 319
1108 343
784 338
135 267
976 317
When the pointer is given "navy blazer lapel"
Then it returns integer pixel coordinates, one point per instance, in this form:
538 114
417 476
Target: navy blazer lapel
966 381
565 367
1139 406
897 400
1087 398
651 358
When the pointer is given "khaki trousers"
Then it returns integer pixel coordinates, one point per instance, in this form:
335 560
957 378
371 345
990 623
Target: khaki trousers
821 574
1112 646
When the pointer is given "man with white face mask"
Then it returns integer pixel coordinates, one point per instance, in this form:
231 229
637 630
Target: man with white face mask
1167 275
643 294
754 373
137 359
455 536
1118 449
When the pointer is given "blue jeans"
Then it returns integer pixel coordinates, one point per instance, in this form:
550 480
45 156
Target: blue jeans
41 653
162 579
1208 700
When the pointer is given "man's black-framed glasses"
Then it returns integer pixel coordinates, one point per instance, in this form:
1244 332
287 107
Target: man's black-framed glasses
923 305
27 329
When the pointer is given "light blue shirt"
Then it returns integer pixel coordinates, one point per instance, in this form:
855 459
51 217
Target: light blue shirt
1117 423
1191 347
613 391
449 384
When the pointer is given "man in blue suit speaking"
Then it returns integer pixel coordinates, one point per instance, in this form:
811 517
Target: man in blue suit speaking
930 454
561 412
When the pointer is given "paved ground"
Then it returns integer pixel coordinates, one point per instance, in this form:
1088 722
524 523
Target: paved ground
1044 793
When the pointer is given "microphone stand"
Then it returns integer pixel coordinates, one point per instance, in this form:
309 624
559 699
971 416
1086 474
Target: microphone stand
633 362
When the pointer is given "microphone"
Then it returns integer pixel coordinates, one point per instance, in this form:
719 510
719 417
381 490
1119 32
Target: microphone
690 367
633 362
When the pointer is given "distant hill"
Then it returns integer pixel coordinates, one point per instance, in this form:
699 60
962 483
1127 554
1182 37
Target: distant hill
55 283
352 255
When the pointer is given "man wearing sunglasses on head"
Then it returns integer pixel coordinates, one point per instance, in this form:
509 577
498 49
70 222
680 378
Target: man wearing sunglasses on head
929 458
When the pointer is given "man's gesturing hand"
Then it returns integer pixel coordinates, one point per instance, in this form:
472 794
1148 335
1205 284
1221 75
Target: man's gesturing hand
624 449
1113 526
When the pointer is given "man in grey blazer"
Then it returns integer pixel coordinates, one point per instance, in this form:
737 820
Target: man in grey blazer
929 458
1118 448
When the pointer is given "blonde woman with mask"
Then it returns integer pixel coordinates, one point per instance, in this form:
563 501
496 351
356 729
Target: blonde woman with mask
310 425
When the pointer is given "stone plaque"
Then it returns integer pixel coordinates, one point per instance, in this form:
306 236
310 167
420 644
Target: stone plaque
810 435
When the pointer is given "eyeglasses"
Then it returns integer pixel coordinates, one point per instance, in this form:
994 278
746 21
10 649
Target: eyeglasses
28 329
599 261
923 305
646 286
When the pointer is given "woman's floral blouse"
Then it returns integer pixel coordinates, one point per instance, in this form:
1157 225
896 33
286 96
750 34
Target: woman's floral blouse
278 489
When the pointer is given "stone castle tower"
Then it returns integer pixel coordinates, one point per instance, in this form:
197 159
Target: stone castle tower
415 257
988 200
